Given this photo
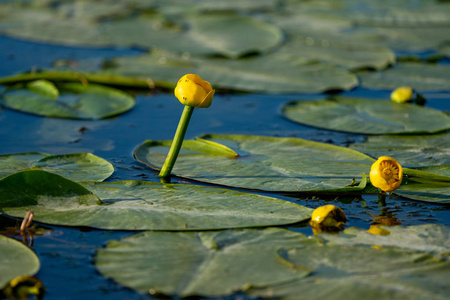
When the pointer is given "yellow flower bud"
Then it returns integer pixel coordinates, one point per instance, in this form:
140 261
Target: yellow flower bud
375 229
192 91
327 218
386 174
402 94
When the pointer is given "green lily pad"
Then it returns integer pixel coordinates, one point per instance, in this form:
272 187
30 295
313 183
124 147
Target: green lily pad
271 73
76 167
419 76
409 151
139 205
429 238
353 266
426 189
265 163
276 263
76 102
235 35
16 260
336 51
210 263
367 116
403 25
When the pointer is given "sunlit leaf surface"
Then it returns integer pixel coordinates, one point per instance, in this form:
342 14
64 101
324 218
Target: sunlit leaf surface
16 259
369 116
137 205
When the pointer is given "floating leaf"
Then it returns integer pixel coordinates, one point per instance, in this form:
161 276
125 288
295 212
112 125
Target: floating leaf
434 189
409 150
272 73
139 205
367 116
419 76
276 263
234 35
336 51
353 266
16 260
265 163
77 167
429 238
210 263
76 101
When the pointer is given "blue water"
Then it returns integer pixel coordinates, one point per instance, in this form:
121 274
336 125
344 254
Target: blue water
66 254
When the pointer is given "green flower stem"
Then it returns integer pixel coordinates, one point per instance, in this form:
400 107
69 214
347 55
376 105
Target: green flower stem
177 141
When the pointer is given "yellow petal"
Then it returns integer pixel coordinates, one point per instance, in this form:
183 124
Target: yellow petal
402 94
207 101
191 90
386 174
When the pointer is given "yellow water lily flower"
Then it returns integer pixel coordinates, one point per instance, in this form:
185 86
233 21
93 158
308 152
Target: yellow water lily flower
192 91
327 218
402 94
386 174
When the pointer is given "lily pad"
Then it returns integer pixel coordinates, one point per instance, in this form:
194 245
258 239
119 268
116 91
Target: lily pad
366 116
429 238
272 73
235 35
353 266
76 167
139 205
426 189
16 260
419 76
76 101
409 151
209 263
272 263
265 163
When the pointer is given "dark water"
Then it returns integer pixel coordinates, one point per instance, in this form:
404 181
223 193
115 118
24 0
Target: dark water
66 254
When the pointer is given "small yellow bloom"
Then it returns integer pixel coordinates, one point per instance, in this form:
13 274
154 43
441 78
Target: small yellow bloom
402 94
386 174
327 218
192 91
